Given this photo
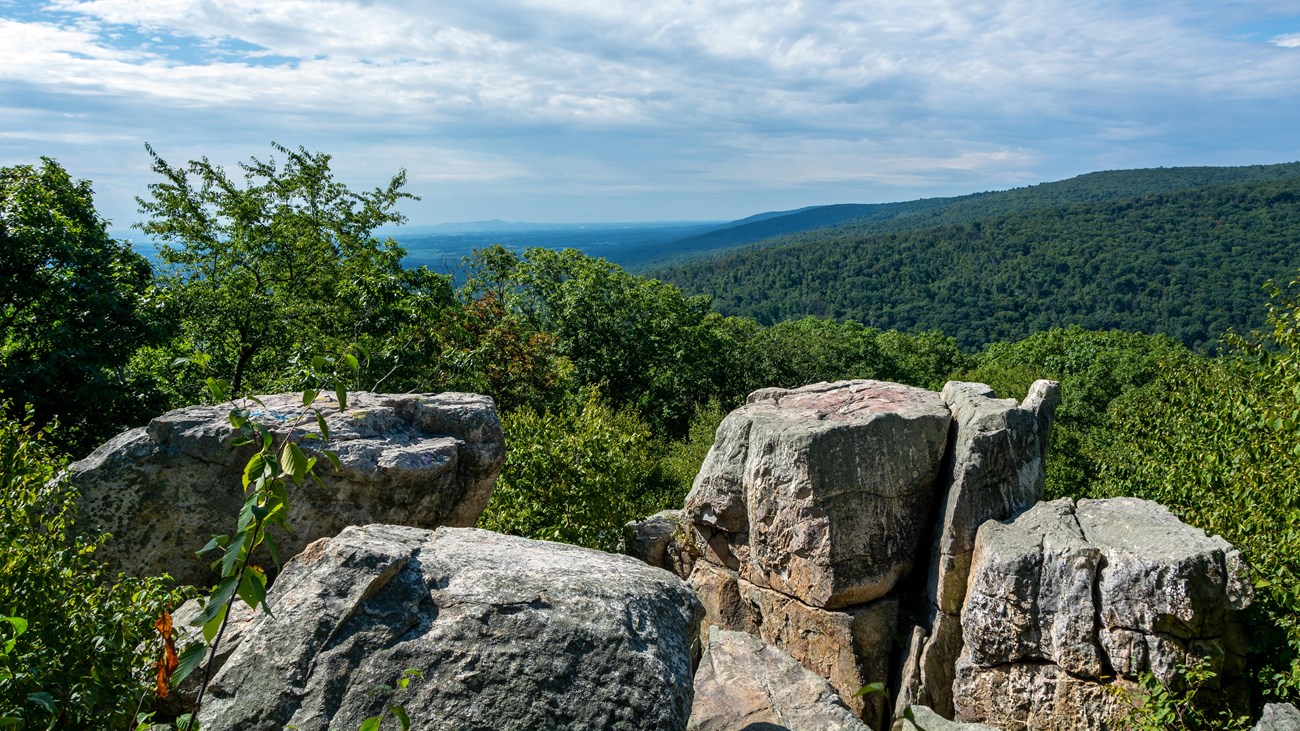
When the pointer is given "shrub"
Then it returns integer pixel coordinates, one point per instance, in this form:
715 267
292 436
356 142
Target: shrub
575 474
86 657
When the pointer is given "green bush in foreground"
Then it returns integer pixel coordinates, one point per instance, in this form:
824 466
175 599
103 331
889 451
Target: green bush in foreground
86 657
575 474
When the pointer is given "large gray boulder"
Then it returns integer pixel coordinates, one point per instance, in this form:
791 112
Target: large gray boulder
1279 717
744 684
1066 597
997 465
509 633
164 489
821 493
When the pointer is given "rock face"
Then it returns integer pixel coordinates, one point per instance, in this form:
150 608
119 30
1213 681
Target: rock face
509 634
1065 597
163 490
996 467
744 684
820 493
808 509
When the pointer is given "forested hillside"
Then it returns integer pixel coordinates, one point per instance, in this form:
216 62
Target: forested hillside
1188 264
889 217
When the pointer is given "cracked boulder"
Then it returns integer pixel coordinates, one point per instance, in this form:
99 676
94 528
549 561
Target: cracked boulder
997 456
506 632
1067 598
744 684
821 493
164 489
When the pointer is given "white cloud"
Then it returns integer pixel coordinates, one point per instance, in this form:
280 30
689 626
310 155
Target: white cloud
627 92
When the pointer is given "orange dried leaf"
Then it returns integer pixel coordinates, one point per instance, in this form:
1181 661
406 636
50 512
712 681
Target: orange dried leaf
168 662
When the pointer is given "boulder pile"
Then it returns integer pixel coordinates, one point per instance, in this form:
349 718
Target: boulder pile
831 520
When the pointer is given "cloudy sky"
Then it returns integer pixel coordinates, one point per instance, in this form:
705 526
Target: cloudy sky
617 110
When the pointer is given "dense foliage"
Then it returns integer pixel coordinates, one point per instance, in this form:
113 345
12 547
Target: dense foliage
1186 264
85 659
74 306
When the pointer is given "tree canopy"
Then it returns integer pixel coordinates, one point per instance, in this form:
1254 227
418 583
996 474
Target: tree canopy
74 306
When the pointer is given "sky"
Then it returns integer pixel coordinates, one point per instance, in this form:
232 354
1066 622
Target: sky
648 110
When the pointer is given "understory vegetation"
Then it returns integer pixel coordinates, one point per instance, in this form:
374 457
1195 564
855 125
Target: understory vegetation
610 387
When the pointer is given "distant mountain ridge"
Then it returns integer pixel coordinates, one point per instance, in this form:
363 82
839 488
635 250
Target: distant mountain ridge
1187 259
1097 186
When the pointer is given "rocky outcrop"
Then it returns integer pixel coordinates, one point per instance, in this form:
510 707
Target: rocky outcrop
996 466
1067 598
821 493
807 511
508 633
1279 717
163 490
744 684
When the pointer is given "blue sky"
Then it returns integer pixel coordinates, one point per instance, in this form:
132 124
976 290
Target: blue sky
606 110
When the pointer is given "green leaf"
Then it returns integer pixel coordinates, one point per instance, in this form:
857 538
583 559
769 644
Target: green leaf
212 626
320 424
256 465
217 541
402 718
318 363
252 587
869 689
370 724
219 389
333 457
352 362
273 548
308 397
294 462
189 660
233 551
44 700
341 394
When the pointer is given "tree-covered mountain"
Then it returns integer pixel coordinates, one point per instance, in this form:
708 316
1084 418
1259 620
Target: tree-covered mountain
1186 263
888 217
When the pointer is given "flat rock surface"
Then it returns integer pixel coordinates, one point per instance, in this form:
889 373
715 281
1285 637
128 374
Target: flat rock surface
1279 717
508 633
744 684
163 490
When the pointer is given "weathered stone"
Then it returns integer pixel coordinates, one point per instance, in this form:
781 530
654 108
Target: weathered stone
997 452
1064 596
508 633
822 492
925 719
1279 717
996 467
163 490
849 647
659 541
1039 696
744 684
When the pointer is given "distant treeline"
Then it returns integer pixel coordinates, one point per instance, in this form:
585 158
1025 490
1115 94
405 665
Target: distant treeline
1185 263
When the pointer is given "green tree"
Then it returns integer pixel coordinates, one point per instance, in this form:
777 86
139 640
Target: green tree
74 306
284 265
641 342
